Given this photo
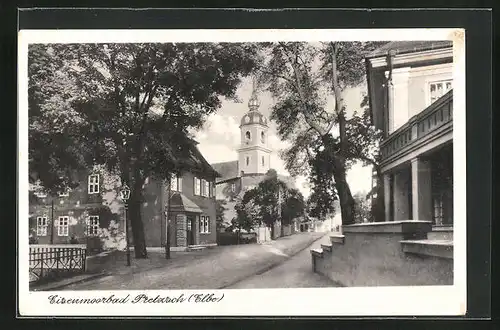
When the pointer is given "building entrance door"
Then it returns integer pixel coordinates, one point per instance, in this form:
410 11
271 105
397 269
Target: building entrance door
191 230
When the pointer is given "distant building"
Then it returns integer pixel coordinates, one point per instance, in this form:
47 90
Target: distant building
411 97
93 214
254 157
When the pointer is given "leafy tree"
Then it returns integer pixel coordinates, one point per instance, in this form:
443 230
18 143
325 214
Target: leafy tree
293 206
364 145
247 212
301 76
122 105
362 208
219 213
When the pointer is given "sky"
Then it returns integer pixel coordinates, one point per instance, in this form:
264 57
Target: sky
220 136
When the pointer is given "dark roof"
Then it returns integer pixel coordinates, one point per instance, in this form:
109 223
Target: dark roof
196 161
401 47
226 170
180 203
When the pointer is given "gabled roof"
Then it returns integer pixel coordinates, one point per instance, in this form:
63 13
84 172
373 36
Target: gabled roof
196 160
401 47
226 170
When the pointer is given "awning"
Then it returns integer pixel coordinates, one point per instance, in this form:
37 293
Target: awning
180 203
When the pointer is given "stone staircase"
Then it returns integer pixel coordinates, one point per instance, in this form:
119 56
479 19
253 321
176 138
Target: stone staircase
391 253
441 233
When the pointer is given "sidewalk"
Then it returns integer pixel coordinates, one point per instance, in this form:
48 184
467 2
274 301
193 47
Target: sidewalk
214 268
115 263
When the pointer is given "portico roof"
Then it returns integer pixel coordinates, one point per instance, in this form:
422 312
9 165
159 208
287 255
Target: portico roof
180 203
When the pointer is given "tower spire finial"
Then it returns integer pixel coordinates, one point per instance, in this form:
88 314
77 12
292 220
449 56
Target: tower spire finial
254 103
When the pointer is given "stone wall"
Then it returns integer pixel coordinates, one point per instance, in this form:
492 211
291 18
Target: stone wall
385 254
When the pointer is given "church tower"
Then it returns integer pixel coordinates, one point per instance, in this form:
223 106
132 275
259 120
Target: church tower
254 154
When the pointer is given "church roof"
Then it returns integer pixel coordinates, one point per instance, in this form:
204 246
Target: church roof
227 170
253 117
401 47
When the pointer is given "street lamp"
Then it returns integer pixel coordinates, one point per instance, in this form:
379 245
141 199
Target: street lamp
125 195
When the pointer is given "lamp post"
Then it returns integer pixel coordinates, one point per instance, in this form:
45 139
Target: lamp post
125 195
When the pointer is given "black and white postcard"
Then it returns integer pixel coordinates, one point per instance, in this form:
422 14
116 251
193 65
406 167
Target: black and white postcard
242 172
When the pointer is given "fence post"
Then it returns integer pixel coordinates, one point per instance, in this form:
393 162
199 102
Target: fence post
71 260
41 262
58 257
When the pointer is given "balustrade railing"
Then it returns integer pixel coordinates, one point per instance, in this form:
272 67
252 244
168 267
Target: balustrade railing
433 117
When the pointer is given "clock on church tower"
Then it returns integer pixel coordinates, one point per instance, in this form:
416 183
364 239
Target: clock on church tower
254 153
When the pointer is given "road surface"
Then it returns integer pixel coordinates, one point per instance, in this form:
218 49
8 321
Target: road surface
221 267
296 272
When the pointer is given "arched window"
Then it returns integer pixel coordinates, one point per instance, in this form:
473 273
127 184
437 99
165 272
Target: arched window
262 137
248 160
248 136
262 160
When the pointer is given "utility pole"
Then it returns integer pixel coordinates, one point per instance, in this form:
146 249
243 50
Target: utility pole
167 219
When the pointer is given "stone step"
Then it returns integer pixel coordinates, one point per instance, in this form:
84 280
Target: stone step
327 247
317 252
196 248
440 234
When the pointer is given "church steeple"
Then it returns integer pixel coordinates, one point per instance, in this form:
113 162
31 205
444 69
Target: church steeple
254 153
254 103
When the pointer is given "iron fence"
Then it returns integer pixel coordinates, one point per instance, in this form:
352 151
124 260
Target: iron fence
56 261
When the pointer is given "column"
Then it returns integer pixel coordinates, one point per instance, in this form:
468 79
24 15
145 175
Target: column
181 229
196 229
401 191
421 189
387 196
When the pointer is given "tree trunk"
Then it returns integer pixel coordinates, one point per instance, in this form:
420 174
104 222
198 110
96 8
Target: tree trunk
137 226
344 191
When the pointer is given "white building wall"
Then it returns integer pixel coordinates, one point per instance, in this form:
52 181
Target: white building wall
412 90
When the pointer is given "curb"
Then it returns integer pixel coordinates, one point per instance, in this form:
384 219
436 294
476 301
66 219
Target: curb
269 267
83 280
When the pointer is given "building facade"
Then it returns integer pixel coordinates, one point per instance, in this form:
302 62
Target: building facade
411 98
93 213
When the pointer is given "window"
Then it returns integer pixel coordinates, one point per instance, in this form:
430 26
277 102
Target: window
63 226
262 137
41 226
197 186
176 183
248 136
213 190
438 211
438 89
233 187
206 190
204 224
94 184
64 194
248 160
262 160
93 225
